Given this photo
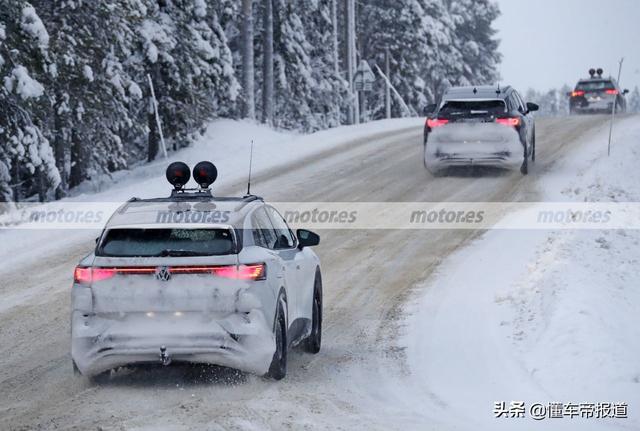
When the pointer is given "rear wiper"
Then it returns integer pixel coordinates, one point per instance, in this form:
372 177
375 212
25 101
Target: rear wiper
178 253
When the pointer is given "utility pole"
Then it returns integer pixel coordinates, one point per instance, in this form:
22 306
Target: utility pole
336 59
267 71
354 108
387 70
248 77
613 110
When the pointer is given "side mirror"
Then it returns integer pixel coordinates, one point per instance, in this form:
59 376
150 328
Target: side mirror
97 239
429 109
532 107
306 238
625 91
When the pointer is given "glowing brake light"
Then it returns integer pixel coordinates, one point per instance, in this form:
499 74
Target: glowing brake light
88 275
241 272
613 92
511 121
577 93
83 275
436 122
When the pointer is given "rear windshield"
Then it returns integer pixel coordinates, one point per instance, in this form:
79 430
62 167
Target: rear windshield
479 107
595 85
166 242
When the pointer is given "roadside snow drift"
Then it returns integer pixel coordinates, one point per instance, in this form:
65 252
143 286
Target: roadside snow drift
548 317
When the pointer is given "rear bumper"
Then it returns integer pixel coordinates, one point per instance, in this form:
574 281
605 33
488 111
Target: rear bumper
243 341
594 107
505 153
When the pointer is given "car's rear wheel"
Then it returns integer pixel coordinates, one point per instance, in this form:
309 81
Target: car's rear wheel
533 147
278 367
313 343
524 169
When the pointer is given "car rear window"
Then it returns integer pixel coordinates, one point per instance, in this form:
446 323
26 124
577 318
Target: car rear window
479 107
166 242
595 85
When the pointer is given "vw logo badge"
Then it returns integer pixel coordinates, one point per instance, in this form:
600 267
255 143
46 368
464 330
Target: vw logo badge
163 273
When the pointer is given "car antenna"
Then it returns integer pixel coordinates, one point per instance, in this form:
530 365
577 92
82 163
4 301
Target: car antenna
250 164
498 91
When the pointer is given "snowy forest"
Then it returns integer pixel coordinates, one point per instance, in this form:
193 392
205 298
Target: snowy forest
75 75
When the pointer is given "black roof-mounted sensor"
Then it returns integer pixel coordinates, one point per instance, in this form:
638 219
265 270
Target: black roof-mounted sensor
205 173
178 175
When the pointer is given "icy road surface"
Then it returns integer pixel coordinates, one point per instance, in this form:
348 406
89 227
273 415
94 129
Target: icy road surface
373 371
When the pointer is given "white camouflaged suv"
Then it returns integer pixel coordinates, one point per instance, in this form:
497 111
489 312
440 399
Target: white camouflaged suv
196 278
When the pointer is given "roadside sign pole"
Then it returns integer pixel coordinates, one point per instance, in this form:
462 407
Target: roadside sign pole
363 83
158 123
613 110
409 111
387 70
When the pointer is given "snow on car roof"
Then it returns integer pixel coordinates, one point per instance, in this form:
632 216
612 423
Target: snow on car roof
230 212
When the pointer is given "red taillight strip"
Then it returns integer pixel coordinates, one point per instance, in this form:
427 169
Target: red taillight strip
612 92
577 93
133 270
191 269
256 271
432 123
82 275
511 121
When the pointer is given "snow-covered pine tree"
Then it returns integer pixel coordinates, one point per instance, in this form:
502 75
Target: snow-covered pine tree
419 44
27 165
634 100
294 77
329 94
184 48
93 99
475 40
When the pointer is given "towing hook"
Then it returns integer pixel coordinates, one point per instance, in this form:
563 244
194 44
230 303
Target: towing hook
165 359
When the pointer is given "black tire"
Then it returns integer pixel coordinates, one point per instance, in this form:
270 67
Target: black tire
524 169
76 370
314 341
424 155
278 367
533 147
100 379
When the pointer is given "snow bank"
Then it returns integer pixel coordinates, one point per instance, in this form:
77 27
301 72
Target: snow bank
538 317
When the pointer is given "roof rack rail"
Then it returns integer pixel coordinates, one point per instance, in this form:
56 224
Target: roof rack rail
191 194
247 199
124 207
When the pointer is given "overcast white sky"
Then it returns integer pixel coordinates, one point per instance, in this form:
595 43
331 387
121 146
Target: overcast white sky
546 43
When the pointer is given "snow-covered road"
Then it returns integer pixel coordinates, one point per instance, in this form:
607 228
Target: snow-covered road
376 370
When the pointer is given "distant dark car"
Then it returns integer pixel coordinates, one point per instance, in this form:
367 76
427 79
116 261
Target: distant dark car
597 95
486 126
